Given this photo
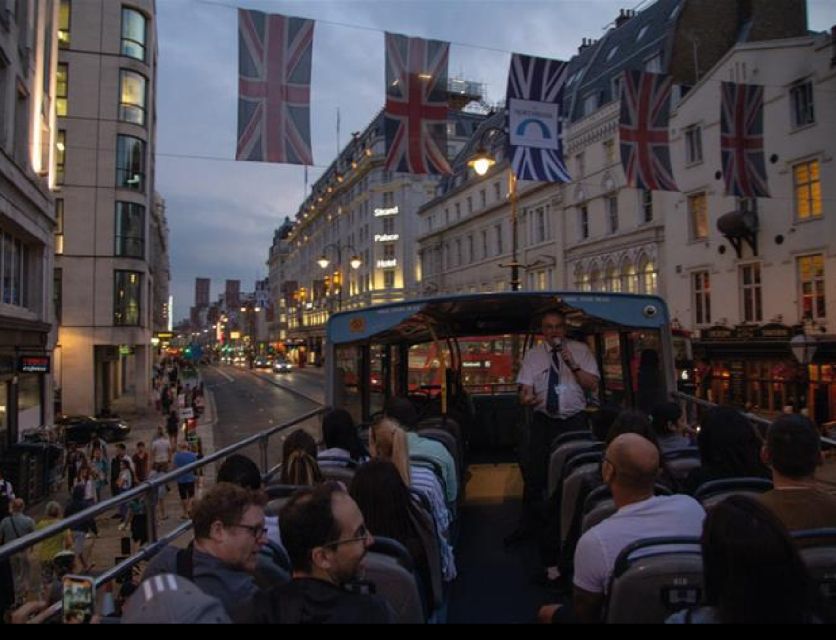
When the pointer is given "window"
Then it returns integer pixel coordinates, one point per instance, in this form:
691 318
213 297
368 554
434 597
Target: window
447 216
807 180
497 191
693 144
61 83
801 100
388 226
613 279
647 273
130 230
540 231
388 251
133 34
612 213
458 211
132 97
471 252
590 103
483 198
484 244
388 279
469 204
750 286
701 288
459 259
647 205
609 151
811 285
698 215
388 199
595 283
64 24
14 263
499 249
59 225
57 294
654 64
584 222
60 156
616 88
631 278
130 163
22 127
127 292
580 165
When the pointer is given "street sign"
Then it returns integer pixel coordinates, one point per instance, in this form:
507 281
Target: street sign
33 364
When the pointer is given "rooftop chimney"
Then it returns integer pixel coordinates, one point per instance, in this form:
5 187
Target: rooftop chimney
624 16
586 43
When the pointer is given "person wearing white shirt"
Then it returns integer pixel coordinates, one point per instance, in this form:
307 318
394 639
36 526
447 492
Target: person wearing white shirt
555 378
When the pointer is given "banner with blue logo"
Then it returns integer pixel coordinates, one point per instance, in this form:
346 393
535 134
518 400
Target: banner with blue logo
535 95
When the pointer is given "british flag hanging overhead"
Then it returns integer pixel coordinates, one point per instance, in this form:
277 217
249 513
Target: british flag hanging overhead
415 118
741 141
534 99
274 88
643 131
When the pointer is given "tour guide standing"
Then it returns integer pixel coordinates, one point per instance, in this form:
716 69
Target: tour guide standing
555 377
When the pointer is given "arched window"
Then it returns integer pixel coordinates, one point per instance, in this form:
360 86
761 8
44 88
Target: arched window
647 274
630 278
613 278
579 277
595 280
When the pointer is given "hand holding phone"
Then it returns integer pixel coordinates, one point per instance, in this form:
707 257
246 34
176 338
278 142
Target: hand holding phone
78 598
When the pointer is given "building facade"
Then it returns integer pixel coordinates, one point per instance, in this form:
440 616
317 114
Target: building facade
28 53
360 223
748 275
105 189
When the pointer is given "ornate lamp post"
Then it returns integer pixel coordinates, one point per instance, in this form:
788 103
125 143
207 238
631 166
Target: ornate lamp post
354 263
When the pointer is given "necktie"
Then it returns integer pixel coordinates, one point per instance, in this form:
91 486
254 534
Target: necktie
552 397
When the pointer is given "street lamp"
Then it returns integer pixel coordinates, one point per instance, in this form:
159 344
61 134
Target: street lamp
481 162
354 262
804 349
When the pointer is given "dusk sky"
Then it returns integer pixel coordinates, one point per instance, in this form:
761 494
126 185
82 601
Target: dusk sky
222 213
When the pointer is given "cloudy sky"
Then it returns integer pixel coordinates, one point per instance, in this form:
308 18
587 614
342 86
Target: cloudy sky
222 213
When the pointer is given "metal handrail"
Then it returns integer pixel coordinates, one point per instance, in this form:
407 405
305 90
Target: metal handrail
261 438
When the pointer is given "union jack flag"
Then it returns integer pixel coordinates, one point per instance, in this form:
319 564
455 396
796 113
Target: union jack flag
274 88
534 99
643 131
741 141
415 118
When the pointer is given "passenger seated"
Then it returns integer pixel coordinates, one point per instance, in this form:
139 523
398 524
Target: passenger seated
389 510
342 442
405 414
671 429
752 570
299 466
793 451
729 448
630 469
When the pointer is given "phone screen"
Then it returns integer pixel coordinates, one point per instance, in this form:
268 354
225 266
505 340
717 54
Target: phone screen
79 594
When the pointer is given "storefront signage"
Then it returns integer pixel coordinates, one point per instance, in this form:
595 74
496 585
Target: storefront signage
769 332
125 350
387 264
477 364
235 335
33 364
386 237
382 213
164 335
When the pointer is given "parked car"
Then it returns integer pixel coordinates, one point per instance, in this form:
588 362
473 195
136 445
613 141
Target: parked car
262 362
82 429
281 366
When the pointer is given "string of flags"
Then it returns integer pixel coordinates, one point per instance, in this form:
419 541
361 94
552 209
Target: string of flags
275 54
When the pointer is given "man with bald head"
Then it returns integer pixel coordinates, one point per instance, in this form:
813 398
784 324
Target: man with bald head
630 469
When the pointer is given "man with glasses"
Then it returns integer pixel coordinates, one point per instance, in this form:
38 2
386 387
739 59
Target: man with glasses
554 378
229 530
326 538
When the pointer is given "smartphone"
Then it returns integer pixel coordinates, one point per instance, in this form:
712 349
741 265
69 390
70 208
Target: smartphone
78 598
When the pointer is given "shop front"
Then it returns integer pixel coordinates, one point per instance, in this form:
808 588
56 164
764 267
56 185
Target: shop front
754 367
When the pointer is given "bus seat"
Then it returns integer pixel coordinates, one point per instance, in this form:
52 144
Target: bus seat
278 495
449 441
570 436
340 474
582 472
653 579
439 422
680 462
715 491
560 451
818 551
397 585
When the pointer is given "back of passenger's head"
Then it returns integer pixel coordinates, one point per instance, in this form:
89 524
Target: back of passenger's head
601 421
663 416
339 432
224 502
308 522
793 446
729 444
383 498
388 441
52 510
240 470
17 505
301 469
299 440
634 463
402 410
631 421
753 572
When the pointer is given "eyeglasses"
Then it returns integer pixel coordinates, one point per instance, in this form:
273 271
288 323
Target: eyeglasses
257 530
361 534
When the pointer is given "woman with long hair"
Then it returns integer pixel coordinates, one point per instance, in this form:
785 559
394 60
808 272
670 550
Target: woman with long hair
752 569
299 466
669 424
